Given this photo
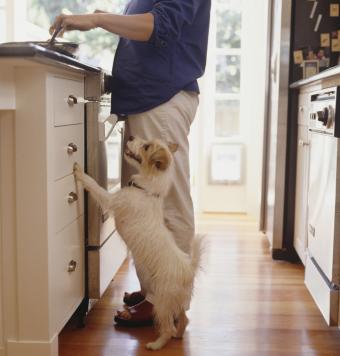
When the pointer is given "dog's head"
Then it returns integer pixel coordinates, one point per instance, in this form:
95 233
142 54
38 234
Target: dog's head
151 157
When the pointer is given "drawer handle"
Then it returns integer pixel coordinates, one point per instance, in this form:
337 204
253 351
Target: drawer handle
303 143
71 100
72 266
72 197
71 148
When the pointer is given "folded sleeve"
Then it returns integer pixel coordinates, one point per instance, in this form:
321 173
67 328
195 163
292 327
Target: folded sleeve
169 18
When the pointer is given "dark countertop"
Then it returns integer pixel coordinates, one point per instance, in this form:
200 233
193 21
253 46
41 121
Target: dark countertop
41 54
328 73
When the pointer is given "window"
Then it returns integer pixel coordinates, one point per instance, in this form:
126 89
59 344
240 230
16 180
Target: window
226 46
228 67
97 46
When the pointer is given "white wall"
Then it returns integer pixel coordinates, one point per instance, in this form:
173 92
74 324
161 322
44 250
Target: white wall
15 27
253 77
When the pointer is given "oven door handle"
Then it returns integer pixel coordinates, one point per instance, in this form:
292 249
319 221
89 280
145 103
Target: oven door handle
112 120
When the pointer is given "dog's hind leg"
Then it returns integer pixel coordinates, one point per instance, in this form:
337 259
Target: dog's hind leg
181 325
164 320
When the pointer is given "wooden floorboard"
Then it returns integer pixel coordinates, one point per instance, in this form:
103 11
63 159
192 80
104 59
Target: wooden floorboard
244 304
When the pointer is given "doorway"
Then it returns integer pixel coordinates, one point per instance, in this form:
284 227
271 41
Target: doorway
227 135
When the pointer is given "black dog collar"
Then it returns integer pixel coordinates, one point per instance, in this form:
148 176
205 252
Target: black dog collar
133 184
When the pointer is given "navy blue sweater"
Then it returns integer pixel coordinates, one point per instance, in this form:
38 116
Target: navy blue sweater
147 74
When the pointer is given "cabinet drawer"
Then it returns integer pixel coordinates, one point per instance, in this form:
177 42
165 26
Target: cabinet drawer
68 148
103 264
69 202
66 272
65 110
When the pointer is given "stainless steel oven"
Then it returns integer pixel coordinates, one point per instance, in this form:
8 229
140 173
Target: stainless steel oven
103 163
103 141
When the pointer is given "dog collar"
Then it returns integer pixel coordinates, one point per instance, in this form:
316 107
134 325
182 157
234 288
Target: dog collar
133 184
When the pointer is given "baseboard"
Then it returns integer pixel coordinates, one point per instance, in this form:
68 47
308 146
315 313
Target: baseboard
32 348
285 255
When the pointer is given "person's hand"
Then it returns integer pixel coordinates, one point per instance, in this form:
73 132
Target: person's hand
97 11
73 22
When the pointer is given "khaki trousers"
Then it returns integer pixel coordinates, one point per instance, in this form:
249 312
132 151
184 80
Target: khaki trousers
170 122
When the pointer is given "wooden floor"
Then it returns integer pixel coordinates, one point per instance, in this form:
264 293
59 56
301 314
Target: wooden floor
244 304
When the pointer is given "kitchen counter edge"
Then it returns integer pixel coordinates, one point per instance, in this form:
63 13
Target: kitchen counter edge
42 54
328 73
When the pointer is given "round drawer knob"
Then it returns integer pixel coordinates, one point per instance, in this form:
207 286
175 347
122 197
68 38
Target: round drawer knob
72 197
72 266
71 148
71 100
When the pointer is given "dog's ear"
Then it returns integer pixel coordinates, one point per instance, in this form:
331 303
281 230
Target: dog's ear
173 147
160 159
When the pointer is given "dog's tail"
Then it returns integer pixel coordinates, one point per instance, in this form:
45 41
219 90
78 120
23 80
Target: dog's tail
197 251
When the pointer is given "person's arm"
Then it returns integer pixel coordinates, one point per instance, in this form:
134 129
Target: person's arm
134 27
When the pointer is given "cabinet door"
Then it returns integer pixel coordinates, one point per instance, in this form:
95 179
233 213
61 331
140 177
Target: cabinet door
301 189
303 109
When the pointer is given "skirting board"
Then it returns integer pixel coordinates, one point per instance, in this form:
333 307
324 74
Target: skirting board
27 348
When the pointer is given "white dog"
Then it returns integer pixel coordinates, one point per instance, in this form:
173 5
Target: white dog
138 212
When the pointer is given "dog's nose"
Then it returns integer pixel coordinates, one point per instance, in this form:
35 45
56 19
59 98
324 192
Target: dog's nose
131 138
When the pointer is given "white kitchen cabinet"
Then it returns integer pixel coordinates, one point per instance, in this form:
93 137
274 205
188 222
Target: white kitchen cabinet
301 190
41 209
303 109
301 182
42 256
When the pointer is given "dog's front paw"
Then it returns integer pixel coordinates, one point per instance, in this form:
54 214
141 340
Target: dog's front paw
153 345
77 171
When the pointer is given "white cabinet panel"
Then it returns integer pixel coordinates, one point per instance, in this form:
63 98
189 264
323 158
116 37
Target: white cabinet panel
66 272
68 105
69 201
303 109
301 191
68 149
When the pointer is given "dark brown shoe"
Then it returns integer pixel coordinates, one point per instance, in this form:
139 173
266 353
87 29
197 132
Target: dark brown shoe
131 299
135 316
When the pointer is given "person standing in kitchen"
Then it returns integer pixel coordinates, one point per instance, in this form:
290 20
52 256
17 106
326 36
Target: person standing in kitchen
161 54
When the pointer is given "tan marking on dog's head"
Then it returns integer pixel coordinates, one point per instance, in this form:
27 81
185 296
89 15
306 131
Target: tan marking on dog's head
173 147
160 159
151 156
157 155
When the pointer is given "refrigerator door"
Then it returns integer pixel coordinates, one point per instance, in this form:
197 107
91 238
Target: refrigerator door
276 124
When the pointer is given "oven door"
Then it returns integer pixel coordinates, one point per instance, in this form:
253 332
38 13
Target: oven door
105 249
103 163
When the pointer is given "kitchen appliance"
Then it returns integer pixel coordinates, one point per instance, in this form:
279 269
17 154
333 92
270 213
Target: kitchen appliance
103 141
293 27
322 275
276 123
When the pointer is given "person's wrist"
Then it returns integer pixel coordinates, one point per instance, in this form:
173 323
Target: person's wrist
95 19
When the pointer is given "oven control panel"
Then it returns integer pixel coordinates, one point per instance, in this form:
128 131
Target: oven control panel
323 116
